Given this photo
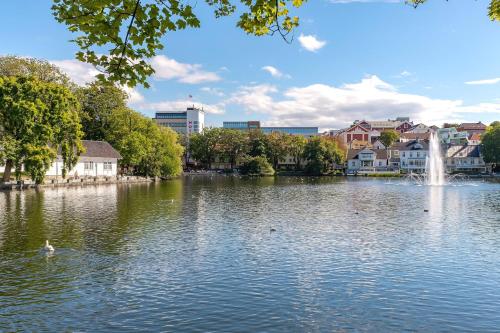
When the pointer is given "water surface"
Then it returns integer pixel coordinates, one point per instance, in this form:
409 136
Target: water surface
197 255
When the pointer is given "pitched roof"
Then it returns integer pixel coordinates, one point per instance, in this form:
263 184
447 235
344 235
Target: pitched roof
99 149
414 136
411 145
463 151
381 154
472 126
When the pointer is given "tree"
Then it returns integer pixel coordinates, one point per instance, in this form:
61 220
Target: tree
256 166
389 137
321 153
491 144
204 146
132 29
296 145
233 145
38 118
98 101
277 147
146 148
258 143
30 67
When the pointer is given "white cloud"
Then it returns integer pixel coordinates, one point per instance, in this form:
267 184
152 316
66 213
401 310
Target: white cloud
83 73
182 104
213 91
80 72
275 72
311 42
336 107
487 81
169 69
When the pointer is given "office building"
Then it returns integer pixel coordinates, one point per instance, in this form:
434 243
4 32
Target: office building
183 122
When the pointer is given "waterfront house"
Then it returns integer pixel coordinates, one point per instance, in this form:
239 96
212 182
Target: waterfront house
412 155
419 128
366 160
451 135
464 158
100 159
410 136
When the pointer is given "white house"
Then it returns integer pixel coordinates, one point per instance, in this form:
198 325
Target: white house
366 159
420 128
412 155
100 159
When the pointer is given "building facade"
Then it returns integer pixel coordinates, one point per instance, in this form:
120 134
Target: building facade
183 122
412 155
100 159
252 125
366 160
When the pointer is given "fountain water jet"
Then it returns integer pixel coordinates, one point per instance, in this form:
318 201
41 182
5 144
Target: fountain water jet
434 165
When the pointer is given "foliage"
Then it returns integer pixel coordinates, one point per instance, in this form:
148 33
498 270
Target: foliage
491 143
204 146
277 147
233 145
132 29
257 143
256 166
30 67
98 101
146 148
37 119
321 154
389 137
296 146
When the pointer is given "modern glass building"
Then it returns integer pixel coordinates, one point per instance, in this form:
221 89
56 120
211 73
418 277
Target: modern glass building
241 125
183 122
248 125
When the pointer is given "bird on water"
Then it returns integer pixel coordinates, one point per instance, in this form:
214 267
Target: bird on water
48 247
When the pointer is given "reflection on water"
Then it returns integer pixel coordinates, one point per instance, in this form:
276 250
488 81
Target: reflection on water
197 254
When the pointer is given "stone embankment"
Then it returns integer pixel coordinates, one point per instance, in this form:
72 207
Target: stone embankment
27 184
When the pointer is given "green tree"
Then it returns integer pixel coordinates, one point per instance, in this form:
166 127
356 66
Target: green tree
321 154
98 101
389 137
277 147
491 144
146 148
38 118
233 145
296 146
31 67
256 166
205 146
257 145
132 29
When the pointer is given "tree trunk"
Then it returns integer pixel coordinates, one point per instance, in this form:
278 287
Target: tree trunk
8 169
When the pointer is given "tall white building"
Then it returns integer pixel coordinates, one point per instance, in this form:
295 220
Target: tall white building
183 122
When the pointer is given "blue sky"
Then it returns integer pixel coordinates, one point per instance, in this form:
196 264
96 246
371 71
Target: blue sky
351 60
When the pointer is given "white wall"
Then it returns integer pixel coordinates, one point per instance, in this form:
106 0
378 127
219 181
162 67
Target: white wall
79 169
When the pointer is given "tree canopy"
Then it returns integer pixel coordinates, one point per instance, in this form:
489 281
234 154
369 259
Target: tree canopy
31 67
37 118
491 143
389 137
132 30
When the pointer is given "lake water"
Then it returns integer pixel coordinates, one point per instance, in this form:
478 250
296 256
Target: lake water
197 255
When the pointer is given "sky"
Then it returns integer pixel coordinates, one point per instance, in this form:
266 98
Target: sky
349 60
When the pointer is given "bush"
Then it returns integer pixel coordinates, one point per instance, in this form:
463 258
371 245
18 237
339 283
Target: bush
256 166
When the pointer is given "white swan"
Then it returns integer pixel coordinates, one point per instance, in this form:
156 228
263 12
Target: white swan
48 247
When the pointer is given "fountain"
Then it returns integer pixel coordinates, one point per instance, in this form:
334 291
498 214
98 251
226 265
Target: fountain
434 165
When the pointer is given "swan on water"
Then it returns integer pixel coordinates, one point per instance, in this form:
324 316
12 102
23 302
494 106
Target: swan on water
48 247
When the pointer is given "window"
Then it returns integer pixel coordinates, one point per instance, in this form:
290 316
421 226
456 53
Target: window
108 166
418 154
89 165
404 155
379 163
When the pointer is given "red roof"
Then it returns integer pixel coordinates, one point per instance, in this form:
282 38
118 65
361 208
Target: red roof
472 126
